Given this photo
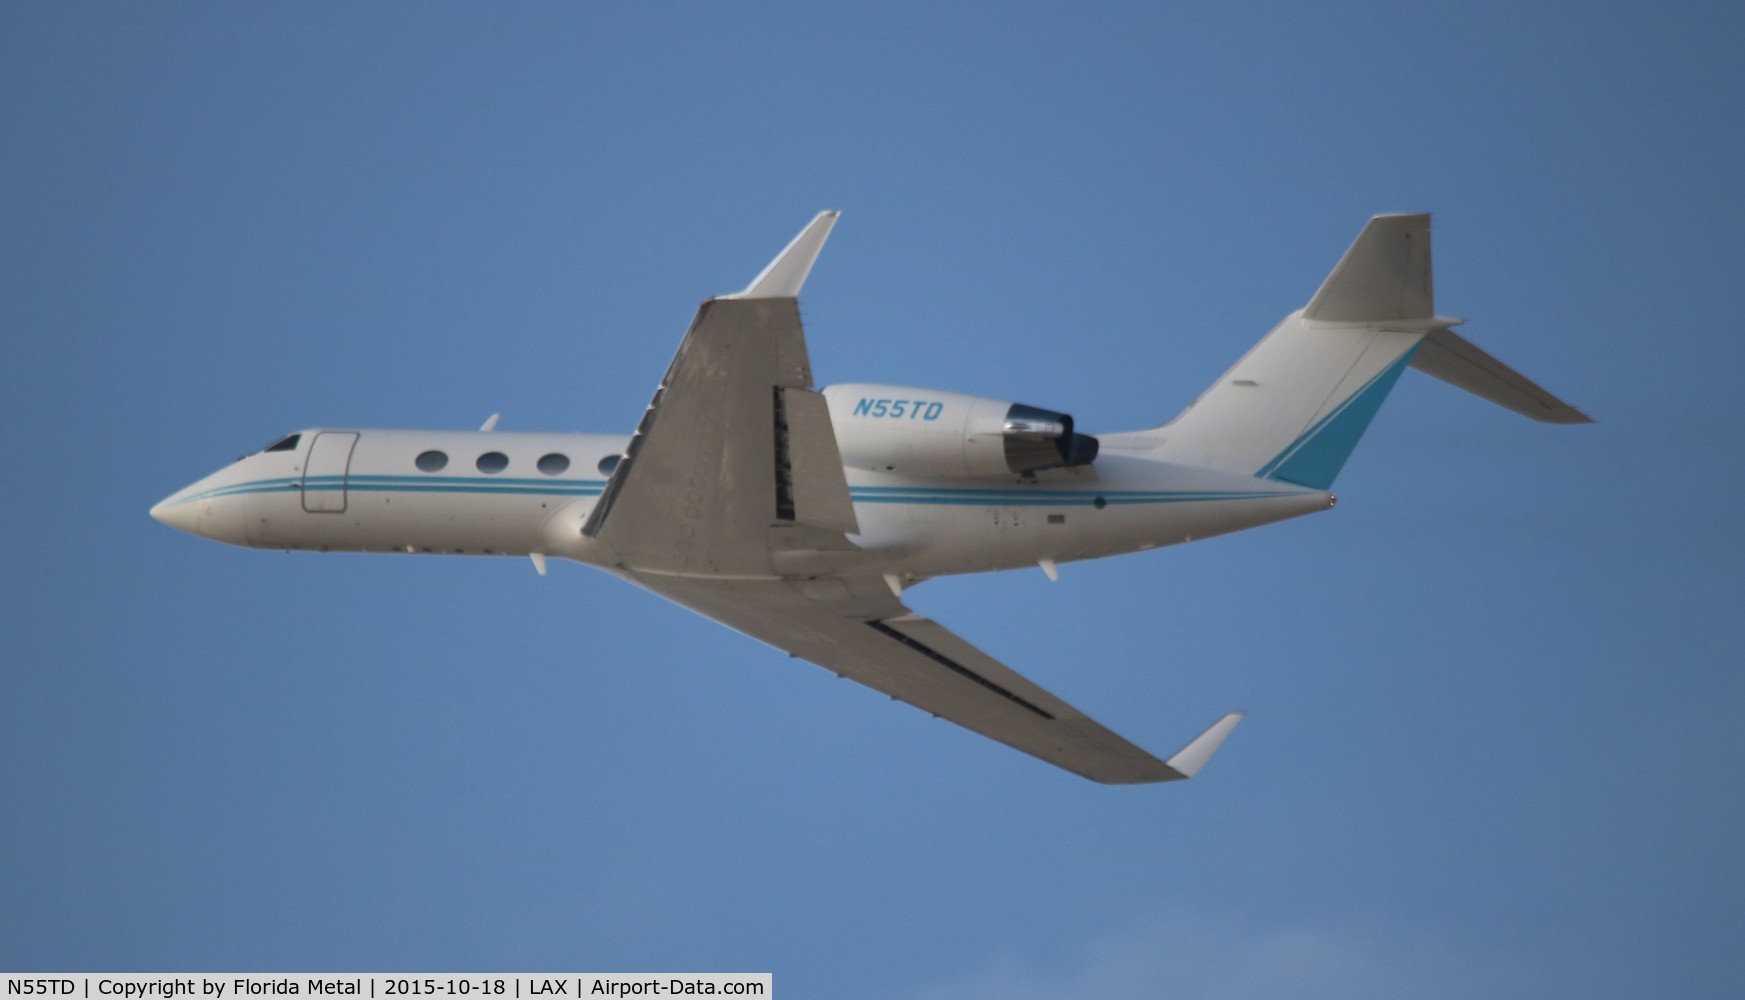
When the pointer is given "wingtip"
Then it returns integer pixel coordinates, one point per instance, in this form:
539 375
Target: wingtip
1189 759
1567 415
786 275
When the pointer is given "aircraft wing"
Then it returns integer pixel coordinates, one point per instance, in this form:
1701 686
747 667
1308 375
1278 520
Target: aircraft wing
735 457
735 462
855 628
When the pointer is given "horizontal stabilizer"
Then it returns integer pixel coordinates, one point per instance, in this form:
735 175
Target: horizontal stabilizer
786 275
1189 759
1455 360
1384 276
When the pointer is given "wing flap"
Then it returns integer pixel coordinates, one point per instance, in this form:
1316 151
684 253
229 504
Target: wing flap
813 463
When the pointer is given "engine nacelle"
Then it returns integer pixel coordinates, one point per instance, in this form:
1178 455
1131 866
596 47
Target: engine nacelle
925 432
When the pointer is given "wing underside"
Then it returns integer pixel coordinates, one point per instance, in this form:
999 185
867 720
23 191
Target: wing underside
858 630
735 457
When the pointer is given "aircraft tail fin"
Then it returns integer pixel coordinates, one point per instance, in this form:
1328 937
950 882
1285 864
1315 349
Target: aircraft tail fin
1384 276
1294 407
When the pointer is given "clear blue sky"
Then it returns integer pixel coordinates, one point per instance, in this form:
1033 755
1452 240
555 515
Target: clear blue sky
1494 743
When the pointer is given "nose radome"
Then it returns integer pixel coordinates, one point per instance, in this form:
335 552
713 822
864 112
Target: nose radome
183 516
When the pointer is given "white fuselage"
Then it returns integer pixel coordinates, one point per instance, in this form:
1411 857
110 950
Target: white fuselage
503 493
798 516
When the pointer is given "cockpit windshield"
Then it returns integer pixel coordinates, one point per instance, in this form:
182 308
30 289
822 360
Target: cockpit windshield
284 444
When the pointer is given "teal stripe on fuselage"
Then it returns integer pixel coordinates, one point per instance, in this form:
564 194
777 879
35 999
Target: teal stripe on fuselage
1075 498
945 496
407 484
579 491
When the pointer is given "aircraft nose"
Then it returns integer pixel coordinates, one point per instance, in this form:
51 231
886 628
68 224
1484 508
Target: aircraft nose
182 516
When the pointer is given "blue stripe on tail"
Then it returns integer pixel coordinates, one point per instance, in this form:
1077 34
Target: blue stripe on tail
1316 456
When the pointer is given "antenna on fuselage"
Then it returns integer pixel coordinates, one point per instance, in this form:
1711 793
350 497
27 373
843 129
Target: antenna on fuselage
490 423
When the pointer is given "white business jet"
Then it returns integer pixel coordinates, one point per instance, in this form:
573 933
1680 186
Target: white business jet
799 516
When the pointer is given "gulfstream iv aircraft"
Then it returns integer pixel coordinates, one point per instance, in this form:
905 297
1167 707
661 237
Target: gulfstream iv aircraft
799 516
